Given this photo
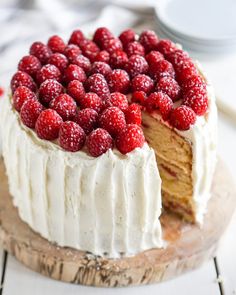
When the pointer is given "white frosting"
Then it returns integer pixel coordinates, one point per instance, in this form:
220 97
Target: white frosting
110 204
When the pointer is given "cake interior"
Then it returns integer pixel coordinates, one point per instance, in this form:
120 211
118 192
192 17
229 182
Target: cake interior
174 160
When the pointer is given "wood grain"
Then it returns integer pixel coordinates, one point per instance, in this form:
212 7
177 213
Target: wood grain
188 245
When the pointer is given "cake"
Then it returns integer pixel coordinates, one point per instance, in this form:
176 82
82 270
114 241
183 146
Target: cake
99 134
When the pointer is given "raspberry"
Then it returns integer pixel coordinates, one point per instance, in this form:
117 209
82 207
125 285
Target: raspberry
74 72
112 45
118 100
89 49
22 94
177 57
41 51
87 119
99 141
195 80
196 98
22 79
65 106
127 36
76 37
30 111
161 101
102 34
130 138
71 136
76 90
135 48
91 100
103 56
166 47
99 67
169 86
137 65
59 60
48 124
48 72
182 117
118 59
139 97
56 44
143 83
185 71
97 84
29 64
49 90
161 69
133 114
72 51
153 57
83 62
119 81
112 119
149 40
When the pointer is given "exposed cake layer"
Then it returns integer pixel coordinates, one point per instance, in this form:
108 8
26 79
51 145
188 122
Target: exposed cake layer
105 205
186 160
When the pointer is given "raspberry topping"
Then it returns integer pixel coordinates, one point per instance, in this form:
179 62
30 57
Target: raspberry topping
135 48
103 56
112 120
91 100
76 90
169 86
137 65
102 68
48 72
127 36
30 111
29 64
161 69
153 57
99 141
22 94
149 40
49 90
89 49
133 114
65 106
71 136
196 98
139 97
195 80
143 83
74 72
182 117
97 84
48 124
130 138
102 34
119 81
118 100
112 45
87 119
76 37
82 62
161 101
72 51
118 59
56 44
166 47
59 60
185 71
41 51
22 79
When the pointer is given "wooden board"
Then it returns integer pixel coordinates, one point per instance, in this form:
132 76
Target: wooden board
188 245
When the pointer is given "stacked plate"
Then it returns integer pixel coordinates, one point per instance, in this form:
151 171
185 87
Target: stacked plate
199 25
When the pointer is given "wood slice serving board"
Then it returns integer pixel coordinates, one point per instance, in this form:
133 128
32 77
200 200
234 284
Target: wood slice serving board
188 245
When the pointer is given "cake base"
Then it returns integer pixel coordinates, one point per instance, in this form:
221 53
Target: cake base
188 245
